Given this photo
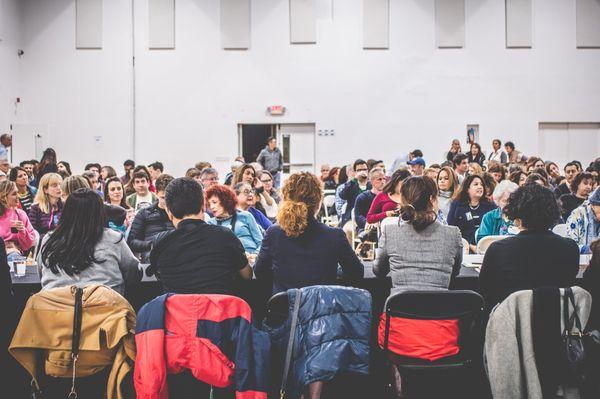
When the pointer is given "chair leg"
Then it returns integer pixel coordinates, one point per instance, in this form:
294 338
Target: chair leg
314 390
396 382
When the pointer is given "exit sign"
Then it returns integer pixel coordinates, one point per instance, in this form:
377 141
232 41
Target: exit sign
276 110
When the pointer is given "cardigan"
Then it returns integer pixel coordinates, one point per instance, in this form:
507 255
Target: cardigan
23 239
381 204
246 230
44 222
494 224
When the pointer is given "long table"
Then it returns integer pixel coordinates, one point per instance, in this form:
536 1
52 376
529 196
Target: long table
469 270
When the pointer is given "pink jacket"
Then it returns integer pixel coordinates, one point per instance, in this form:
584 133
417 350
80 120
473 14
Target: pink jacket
23 239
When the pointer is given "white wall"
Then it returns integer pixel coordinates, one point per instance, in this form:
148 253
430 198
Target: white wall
381 103
10 17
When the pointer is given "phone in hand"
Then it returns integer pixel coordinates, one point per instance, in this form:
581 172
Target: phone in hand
14 230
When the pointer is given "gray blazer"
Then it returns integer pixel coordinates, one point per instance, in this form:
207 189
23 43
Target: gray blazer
423 260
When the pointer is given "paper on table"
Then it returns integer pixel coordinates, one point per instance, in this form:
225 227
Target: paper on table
472 260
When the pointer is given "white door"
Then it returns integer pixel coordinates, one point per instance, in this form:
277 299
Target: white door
565 142
28 141
297 142
584 142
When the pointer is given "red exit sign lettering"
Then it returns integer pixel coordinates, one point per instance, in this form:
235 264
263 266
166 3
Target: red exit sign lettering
276 110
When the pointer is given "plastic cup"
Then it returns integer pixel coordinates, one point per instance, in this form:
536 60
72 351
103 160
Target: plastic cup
20 266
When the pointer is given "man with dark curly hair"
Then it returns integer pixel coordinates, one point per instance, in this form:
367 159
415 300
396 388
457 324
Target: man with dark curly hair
536 257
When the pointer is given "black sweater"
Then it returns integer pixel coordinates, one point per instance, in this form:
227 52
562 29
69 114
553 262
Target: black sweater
531 259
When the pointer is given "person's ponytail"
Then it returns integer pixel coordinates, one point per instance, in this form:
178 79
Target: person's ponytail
302 195
293 218
417 194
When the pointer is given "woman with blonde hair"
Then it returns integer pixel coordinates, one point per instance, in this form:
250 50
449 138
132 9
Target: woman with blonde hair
299 251
47 205
15 228
448 185
475 169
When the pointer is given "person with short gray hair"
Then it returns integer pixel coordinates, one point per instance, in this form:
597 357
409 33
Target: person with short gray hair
495 223
209 177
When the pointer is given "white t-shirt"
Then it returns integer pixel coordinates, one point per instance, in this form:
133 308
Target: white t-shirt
270 210
143 202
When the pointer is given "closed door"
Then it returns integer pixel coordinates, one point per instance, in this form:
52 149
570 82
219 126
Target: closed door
28 141
298 147
565 142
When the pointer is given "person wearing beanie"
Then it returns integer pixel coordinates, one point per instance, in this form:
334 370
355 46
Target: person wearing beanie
583 225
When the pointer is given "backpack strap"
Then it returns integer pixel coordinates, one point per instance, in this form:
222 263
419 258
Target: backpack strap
290 345
77 318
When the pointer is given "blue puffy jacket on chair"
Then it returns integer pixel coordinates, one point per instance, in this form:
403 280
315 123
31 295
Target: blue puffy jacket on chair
332 333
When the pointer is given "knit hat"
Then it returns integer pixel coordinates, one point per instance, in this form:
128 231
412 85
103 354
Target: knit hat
595 197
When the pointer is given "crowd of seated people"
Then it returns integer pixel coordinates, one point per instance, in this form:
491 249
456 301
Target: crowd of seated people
199 235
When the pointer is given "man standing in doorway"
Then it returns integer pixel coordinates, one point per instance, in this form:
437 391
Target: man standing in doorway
271 160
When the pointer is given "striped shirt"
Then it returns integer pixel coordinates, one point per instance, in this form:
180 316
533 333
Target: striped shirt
26 201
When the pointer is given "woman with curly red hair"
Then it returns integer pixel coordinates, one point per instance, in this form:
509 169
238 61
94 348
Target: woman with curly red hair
299 251
222 203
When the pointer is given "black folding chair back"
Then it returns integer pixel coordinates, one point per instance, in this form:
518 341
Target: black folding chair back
464 306
278 308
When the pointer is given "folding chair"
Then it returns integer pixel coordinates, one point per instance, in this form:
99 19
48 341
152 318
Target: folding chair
464 306
485 243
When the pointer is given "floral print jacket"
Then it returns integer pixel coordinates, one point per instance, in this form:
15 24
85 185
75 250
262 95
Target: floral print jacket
583 227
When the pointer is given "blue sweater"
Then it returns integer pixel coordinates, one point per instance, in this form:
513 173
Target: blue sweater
260 218
361 208
246 229
349 193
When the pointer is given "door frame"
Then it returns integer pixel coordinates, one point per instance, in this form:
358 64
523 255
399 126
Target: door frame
240 134
314 156
276 132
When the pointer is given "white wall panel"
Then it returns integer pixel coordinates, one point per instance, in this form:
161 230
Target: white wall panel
303 21
189 102
161 24
450 23
88 24
588 23
235 24
518 23
376 24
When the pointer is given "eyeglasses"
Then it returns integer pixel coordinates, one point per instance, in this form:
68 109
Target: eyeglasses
247 192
